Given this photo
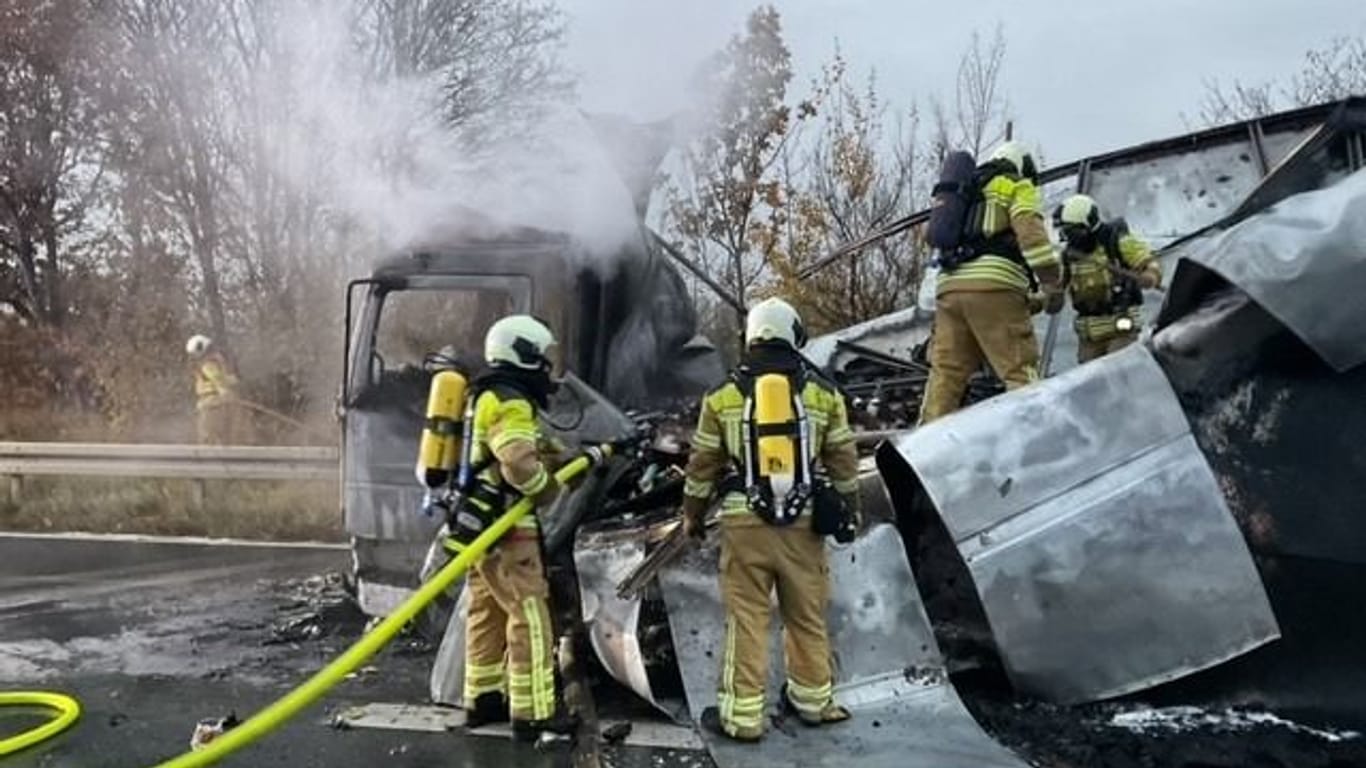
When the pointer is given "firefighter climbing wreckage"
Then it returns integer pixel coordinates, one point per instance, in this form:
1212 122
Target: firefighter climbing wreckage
1108 269
994 251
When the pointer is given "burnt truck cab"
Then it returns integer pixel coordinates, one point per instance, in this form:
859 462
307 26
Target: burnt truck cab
627 329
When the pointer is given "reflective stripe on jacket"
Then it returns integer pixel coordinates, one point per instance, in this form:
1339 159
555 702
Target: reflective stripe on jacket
505 424
1010 205
213 380
718 444
1091 280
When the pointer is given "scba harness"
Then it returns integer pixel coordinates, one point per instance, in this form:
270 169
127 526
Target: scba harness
1123 291
475 502
955 226
777 442
776 472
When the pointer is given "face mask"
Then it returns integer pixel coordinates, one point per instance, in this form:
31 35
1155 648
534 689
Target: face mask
1084 241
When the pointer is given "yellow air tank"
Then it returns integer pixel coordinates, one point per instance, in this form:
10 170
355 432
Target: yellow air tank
773 407
439 452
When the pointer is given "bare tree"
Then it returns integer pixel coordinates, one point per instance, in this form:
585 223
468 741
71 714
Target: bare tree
720 207
165 166
497 60
980 111
860 173
51 162
1335 71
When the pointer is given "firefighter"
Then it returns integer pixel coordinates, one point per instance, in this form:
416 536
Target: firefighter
1108 270
215 388
982 304
509 639
769 539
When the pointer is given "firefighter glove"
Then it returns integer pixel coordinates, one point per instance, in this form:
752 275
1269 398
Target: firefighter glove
1149 279
597 454
1053 301
694 527
694 517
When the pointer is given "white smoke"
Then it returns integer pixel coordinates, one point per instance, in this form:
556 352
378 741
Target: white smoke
378 151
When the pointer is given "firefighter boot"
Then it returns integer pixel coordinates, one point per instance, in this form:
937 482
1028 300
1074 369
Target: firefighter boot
491 707
830 713
711 720
561 724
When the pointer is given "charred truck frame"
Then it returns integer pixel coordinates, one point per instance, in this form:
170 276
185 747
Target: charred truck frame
627 330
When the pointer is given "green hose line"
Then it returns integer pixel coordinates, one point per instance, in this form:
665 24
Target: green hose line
325 679
67 710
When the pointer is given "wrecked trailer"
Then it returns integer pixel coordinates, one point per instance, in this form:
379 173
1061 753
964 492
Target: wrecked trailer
1233 569
1185 511
969 572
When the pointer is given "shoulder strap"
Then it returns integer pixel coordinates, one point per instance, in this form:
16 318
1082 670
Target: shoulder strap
1114 231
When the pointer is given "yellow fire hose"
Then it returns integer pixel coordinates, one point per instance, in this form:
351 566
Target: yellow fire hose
325 679
67 710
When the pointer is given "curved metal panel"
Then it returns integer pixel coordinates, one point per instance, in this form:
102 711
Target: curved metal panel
1095 532
888 670
1302 262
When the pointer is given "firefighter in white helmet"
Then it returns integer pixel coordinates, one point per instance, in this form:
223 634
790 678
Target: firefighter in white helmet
509 664
983 301
215 388
1108 269
784 431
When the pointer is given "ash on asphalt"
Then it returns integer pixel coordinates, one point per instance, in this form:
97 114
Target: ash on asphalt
1088 736
154 637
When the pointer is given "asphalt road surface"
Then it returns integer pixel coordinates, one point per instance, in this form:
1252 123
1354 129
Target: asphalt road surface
152 636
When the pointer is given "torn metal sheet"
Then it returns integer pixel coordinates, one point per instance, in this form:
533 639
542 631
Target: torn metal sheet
888 670
1302 261
1105 556
447 682
611 621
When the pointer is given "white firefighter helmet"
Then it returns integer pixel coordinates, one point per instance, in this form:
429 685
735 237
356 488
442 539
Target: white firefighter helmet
1078 211
197 345
1019 157
774 320
520 341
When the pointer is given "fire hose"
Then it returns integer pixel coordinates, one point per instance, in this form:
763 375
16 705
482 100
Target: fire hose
67 710
322 681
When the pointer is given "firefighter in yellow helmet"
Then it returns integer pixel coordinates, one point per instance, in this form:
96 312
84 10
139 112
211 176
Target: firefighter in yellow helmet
771 531
1108 270
509 639
215 388
983 302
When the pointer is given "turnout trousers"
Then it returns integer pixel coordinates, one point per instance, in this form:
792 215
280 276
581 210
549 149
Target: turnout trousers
758 560
972 327
1088 350
508 633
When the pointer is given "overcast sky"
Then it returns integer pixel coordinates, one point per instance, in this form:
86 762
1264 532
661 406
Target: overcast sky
1083 76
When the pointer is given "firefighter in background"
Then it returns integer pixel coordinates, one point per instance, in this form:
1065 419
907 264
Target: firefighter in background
982 304
509 639
771 538
1108 270
215 389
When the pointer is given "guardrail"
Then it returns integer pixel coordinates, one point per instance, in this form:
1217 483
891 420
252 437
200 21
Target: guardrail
188 462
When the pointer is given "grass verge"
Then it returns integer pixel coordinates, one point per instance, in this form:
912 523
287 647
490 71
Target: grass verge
262 510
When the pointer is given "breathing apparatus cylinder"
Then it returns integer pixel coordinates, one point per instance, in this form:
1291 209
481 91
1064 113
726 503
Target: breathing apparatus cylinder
438 454
777 450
